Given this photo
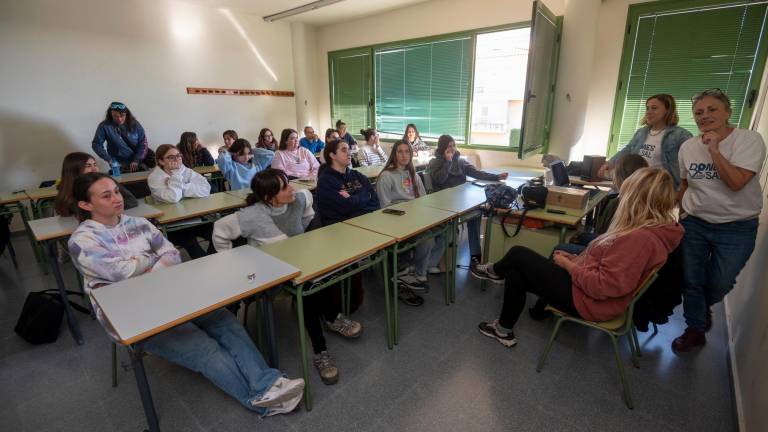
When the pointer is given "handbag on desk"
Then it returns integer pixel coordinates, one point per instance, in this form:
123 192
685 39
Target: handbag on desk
533 196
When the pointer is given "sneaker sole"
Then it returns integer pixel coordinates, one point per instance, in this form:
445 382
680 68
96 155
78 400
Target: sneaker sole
485 277
288 395
507 343
355 336
330 381
415 288
417 303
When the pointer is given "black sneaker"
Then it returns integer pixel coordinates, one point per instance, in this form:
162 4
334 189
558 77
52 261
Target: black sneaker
407 296
491 329
415 283
484 271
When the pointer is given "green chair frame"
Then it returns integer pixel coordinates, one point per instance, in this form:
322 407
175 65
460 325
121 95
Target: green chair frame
615 328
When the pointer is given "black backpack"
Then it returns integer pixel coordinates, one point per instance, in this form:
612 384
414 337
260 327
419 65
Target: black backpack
40 319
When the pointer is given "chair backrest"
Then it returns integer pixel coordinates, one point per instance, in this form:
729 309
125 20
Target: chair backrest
628 317
427 180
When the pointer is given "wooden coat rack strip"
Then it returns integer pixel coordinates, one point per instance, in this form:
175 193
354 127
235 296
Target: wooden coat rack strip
237 92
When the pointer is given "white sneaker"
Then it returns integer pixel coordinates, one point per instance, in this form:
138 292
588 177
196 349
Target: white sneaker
434 270
285 407
283 390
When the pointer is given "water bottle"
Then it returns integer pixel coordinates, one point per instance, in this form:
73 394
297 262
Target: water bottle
115 168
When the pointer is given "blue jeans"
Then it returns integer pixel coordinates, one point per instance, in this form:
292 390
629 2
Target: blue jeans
473 237
713 255
217 346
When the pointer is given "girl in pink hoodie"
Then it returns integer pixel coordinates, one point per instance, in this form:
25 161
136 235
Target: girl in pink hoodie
599 283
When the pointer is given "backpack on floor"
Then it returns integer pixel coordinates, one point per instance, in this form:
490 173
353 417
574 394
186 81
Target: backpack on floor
40 319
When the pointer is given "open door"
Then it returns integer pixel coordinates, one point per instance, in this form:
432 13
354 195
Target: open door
540 80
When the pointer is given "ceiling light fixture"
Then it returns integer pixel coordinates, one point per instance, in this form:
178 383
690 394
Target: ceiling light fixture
299 10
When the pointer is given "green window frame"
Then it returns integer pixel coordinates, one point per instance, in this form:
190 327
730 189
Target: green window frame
686 46
337 57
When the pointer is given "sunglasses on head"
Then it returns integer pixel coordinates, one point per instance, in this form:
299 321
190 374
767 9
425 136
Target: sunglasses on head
118 106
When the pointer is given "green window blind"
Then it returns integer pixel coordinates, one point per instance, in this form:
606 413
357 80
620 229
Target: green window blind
426 84
350 88
681 50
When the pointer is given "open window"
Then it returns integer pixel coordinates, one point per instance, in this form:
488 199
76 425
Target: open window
540 81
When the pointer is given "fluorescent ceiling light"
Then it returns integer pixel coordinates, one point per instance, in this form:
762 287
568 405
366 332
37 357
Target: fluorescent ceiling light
299 10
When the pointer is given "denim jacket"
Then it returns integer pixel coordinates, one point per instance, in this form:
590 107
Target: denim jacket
673 138
125 145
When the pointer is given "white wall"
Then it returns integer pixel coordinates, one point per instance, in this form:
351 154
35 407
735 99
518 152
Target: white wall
305 68
64 61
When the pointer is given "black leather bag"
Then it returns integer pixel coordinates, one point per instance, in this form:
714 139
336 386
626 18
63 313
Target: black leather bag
40 319
533 196
500 195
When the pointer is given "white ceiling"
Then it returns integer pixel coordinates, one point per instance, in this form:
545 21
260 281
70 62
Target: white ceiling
335 13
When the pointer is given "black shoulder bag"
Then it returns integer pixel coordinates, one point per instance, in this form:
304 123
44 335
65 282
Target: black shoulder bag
40 319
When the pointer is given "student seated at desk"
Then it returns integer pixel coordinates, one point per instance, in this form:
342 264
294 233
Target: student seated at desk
345 136
75 164
109 247
294 160
396 183
241 163
330 135
599 283
275 212
170 182
267 140
193 154
412 137
229 137
446 170
371 152
311 141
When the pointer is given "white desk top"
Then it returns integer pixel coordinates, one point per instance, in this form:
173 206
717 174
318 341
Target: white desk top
145 305
459 199
59 226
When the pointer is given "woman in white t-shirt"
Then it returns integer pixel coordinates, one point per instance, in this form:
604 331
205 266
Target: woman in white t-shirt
371 153
720 201
659 140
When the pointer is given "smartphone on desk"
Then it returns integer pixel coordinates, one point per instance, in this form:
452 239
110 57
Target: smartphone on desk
392 211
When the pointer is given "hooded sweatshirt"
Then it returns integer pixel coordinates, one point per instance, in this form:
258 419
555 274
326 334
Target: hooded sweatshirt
238 174
332 207
608 273
107 254
445 174
181 183
394 186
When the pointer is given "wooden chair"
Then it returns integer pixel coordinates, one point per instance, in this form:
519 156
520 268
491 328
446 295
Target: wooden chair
615 328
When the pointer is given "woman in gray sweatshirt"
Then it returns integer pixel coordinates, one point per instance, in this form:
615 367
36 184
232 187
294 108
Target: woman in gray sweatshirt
399 182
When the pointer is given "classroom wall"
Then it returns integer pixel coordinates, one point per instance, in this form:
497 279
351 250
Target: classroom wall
746 317
64 61
305 67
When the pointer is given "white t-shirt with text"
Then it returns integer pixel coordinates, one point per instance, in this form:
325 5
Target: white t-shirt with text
707 196
651 149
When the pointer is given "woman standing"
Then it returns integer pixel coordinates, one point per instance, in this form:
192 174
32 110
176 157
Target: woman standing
659 140
721 201
126 141
294 160
109 247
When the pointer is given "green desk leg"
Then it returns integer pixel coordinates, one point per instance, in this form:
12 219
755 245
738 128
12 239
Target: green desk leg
563 232
303 346
387 299
36 248
395 318
487 245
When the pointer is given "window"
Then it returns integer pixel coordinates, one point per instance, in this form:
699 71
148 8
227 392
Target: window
501 59
425 84
471 85
683 48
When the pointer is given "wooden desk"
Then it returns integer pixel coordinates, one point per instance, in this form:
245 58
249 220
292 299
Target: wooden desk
12 198
418 219
10 204
310 183
330 249
190 208
48 230
370 171
207 169
240 193
195 288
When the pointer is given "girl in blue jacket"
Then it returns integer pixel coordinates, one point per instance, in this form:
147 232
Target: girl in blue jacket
241 162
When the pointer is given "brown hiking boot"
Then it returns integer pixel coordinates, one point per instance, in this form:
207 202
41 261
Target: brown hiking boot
326 367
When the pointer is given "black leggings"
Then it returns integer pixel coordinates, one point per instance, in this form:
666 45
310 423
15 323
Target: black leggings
318 307
526 271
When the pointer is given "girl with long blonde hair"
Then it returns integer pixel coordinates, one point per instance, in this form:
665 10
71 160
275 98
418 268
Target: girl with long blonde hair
599 283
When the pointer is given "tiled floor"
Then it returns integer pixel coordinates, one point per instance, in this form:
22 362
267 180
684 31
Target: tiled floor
443 376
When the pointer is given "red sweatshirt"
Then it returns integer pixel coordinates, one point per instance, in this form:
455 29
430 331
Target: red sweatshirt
607 274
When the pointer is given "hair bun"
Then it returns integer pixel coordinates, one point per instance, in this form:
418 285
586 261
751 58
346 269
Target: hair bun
363 131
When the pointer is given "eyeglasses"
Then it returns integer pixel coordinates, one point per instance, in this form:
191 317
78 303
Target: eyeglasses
173 157
118 106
